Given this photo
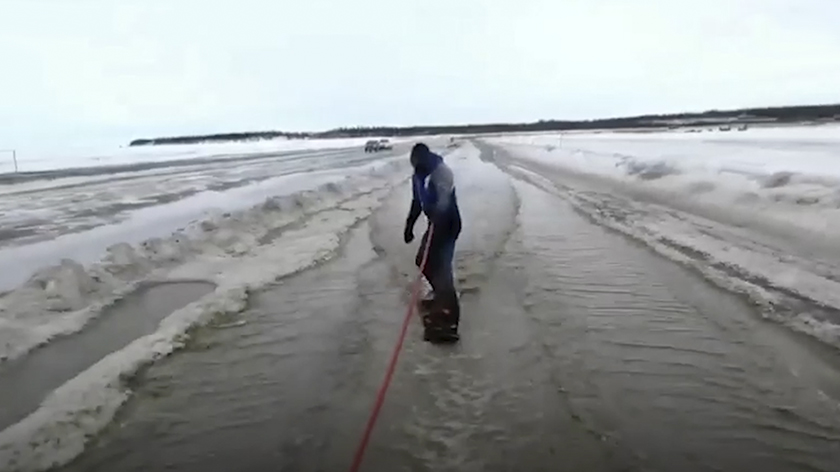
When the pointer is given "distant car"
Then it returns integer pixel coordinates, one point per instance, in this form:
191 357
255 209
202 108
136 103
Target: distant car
372 146
375 145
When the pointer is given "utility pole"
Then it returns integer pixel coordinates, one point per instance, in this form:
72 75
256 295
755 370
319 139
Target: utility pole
14 157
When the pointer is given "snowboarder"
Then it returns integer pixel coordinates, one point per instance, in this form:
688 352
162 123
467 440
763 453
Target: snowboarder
433 193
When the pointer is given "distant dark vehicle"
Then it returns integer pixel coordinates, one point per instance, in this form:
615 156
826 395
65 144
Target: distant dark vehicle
372 146
375 145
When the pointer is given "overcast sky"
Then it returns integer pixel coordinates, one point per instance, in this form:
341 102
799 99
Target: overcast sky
75 70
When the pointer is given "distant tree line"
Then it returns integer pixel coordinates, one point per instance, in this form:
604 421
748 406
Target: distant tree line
791 114
247 136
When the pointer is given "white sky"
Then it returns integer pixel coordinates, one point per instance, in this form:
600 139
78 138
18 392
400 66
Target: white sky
75 70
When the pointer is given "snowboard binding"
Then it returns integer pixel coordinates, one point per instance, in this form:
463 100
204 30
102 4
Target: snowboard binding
438 326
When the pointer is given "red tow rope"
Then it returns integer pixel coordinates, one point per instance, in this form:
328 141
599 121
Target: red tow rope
389 373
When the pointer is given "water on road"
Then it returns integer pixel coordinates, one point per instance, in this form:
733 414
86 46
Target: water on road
581 350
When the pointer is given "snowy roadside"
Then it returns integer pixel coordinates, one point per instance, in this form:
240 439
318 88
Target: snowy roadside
792 175
111 154
48 208
239 252
741 220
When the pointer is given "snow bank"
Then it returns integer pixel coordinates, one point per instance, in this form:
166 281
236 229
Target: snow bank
240 252
790 174
31 160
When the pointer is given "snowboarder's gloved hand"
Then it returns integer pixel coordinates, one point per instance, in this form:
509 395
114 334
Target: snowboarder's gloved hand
408 234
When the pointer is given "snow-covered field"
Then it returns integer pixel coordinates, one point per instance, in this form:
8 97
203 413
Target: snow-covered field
43 209
757 211
239 226
45 159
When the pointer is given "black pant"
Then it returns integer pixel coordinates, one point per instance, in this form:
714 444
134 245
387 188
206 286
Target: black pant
439 270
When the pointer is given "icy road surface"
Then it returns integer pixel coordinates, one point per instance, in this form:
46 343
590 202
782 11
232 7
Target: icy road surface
586 345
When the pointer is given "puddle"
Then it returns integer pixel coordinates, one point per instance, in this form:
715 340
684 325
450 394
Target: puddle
25 382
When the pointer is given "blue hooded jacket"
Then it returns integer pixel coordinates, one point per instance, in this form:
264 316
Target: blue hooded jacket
433 191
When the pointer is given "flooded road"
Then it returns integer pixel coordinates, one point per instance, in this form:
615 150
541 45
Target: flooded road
581 350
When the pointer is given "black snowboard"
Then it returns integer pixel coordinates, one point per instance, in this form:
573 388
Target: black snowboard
433 331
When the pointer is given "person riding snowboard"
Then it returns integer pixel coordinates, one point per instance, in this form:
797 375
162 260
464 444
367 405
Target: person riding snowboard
433 193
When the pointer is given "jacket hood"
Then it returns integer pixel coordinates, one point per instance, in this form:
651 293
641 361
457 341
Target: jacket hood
423 160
